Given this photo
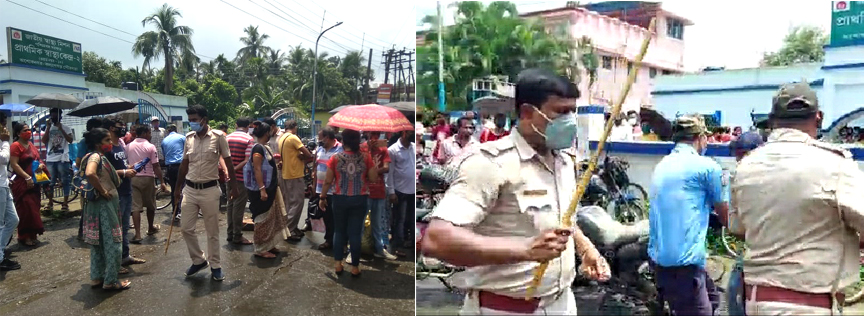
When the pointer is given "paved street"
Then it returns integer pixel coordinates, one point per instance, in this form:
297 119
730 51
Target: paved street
54 280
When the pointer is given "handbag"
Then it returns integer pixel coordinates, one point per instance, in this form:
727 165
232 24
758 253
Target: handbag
82 184
314 211
249 173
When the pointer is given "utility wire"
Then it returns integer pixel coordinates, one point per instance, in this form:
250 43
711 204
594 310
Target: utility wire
369 38
87 28
274 25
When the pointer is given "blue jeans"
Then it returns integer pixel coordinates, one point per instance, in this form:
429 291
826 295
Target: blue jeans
126 213
8 218
61 171
349 212
378 217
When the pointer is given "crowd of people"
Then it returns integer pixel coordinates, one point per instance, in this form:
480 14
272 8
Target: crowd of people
259 165
501 215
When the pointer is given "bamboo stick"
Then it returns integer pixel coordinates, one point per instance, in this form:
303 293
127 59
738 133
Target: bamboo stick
592 163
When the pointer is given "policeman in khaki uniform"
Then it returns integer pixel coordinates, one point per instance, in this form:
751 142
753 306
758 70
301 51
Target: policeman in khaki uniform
503 213
797 202
197 183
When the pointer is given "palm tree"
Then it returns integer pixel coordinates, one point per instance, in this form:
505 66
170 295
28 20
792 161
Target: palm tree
169 41
275 61
254 44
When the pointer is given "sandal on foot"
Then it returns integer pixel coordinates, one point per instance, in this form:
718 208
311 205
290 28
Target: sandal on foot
265 255
339 268
356 275
64 208
123 270
96 283
132 260
122 285
153 230
136 241
30 243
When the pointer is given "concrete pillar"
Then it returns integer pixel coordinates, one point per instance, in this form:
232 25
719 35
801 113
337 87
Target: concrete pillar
590 119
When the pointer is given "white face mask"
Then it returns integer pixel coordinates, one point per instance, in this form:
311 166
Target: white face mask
632 121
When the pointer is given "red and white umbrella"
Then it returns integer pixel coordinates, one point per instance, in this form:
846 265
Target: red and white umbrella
371 118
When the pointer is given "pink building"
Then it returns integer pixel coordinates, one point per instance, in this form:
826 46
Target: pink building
617 29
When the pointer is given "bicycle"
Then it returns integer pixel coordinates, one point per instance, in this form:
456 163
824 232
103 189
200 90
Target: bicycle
163 197
57 197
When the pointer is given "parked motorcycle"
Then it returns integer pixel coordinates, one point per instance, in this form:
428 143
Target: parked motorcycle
625 248
433 181
610 188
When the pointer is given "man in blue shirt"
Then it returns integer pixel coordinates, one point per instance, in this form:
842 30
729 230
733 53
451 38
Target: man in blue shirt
686 187
172 148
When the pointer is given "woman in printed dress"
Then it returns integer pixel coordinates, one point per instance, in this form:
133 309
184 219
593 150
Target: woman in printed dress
102 215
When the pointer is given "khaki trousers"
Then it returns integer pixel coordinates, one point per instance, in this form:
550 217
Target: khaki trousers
777 308
293 193
236 207
207 201
143 194
564 305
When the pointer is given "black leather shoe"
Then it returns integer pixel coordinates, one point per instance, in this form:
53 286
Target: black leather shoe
9 265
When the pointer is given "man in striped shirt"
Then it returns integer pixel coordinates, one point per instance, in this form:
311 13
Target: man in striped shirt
238 143
327 147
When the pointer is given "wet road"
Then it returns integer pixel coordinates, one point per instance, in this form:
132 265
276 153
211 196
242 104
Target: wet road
54 280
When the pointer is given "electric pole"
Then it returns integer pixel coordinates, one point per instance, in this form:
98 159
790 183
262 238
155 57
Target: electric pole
441 104
368 76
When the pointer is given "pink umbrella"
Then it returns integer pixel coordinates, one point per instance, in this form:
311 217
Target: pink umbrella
371 117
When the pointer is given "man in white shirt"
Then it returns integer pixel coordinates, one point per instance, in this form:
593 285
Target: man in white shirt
8 216
59 164
399 183
621 132
157 134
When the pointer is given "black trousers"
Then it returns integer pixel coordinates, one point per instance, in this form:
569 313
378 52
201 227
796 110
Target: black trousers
402 220
173 172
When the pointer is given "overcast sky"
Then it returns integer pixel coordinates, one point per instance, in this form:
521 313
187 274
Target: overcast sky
218 26
730 33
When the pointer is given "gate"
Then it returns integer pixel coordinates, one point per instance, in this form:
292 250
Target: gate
304 129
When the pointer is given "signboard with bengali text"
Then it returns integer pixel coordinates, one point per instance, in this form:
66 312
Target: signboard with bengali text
847 23
39 50
384 91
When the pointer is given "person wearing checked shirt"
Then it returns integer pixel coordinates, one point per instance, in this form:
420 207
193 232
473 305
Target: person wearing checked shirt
502 215
200 191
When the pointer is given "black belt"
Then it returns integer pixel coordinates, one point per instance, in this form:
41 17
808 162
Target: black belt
201 186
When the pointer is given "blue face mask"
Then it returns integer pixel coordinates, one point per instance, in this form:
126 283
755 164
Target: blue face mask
560 132
195 126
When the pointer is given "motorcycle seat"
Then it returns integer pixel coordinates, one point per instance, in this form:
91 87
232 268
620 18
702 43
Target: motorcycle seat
605 232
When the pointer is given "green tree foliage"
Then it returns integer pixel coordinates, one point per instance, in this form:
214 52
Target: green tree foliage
803 44
213 93
257 81
169 41
484 41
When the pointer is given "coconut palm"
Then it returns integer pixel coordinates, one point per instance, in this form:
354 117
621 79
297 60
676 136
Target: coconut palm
253 44
275 61
169 41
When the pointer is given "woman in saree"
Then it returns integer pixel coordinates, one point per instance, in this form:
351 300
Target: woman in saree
265 203
102 215
25 193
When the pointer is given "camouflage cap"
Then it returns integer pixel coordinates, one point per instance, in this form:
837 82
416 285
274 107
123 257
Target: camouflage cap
794 100
688 125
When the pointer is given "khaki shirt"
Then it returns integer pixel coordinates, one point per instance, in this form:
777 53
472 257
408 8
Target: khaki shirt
504 190
788 198
204 154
